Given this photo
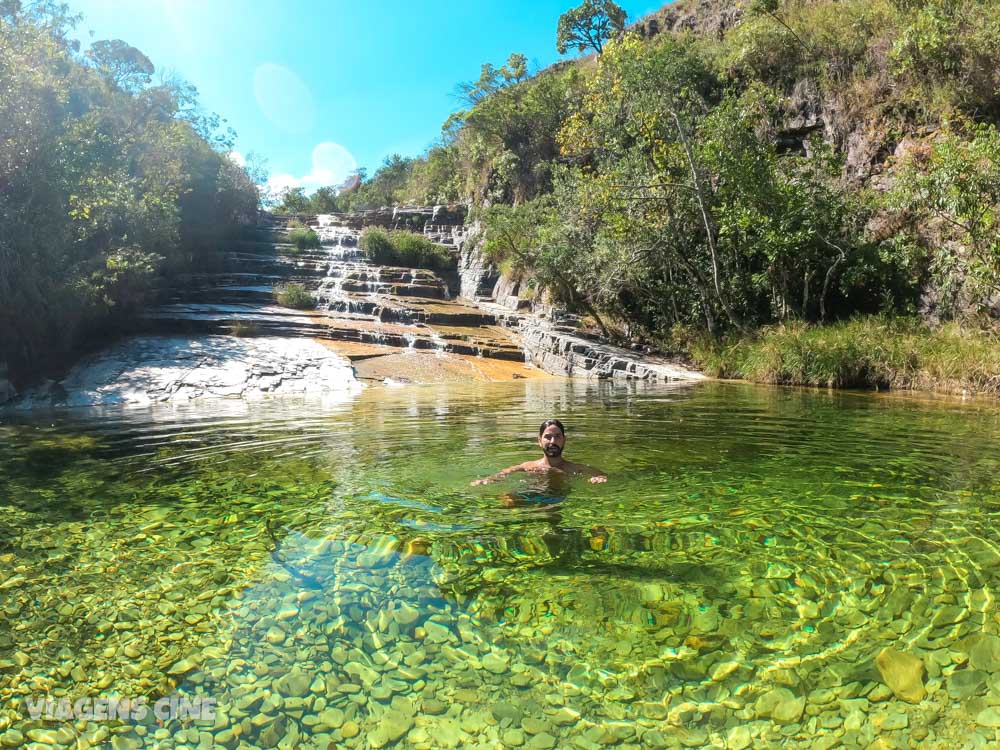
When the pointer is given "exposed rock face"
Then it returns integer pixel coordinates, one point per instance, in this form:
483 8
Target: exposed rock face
710 17
560 350
506 292
803 116
477 276
147 369
413 218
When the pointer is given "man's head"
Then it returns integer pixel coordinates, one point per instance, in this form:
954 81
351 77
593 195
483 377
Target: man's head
552 437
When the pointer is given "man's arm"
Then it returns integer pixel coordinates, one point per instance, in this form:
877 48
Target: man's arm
596 475
499 475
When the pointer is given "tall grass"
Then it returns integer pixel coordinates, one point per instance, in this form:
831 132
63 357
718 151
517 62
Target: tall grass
294 295
867 352
301 237
406 249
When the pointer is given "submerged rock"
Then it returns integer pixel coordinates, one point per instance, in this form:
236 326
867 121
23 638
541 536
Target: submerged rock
903 673
985 654
780 705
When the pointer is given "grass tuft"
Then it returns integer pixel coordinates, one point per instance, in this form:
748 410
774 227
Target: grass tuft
301 237
866 352
294 295
406 249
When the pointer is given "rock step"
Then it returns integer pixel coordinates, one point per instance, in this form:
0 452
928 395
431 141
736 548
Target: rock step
266 324
226 294
357 301
398 309
422 291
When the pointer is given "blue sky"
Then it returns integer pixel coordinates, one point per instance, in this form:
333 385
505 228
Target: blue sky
319 86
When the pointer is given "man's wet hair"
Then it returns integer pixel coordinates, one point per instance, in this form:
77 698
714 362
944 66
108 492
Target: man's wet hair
549 423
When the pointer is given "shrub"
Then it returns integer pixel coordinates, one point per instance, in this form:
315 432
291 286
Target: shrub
406 249
302 237
294 295
377 246
416 251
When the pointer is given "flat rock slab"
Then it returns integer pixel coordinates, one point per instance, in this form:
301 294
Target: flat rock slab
148 369
563 353
427 367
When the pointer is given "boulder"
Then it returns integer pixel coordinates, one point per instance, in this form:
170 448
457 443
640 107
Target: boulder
903 673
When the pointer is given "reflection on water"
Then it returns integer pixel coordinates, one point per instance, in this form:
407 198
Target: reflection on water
765 568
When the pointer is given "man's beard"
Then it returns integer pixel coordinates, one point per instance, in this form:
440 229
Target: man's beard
553 451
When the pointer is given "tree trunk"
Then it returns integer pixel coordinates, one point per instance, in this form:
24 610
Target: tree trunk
709 230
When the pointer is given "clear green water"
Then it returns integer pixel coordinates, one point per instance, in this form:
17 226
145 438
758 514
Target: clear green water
326 575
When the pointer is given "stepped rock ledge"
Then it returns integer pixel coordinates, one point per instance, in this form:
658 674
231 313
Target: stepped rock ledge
221 334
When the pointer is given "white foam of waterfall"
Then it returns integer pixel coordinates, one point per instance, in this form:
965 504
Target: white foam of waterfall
439 343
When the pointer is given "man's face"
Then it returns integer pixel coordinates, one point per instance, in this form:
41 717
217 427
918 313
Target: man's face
552 441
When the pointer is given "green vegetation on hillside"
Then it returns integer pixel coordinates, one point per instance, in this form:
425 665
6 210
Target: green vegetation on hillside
107 183
803 162
406 249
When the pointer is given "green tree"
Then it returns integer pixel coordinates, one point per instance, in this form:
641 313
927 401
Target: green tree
384 188
683 209
589 25
121 63
324 200
949 189
107 190
493 79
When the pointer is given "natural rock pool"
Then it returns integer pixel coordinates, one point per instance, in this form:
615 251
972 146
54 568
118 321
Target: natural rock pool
765 568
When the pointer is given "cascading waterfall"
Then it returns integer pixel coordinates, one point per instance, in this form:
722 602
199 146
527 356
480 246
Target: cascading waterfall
440 345
359 303
411 341
390 306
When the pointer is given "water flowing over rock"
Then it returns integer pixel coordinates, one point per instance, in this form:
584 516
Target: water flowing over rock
221 333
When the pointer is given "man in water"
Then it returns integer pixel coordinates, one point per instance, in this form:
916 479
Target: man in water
552 440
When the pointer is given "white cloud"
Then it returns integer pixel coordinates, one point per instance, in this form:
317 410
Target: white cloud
331 165
237 158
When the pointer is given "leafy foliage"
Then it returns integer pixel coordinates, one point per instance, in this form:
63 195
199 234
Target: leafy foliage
108 184
121 63
666 184
949 189
589 25
302 237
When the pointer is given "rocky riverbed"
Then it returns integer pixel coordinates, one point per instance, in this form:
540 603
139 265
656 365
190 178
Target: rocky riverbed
369 640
